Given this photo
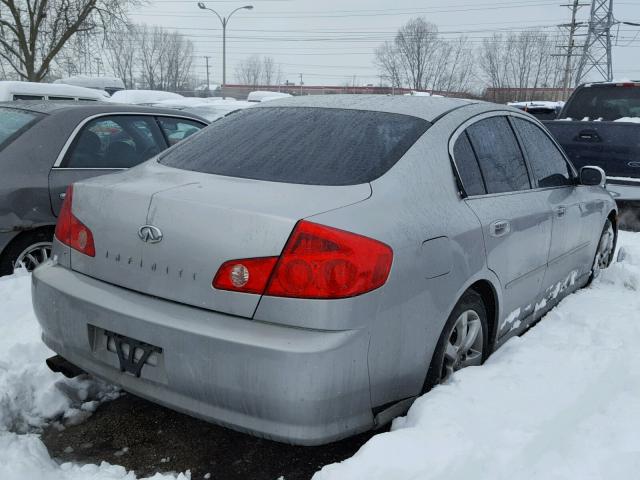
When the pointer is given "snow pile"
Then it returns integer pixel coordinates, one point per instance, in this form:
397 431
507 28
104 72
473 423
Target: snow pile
31 396
561 402
628 120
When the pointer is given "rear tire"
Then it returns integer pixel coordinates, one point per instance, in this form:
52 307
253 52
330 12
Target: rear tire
31 248
464 341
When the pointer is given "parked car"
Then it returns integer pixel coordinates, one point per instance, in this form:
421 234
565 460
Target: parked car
11 91
540 109
262 277
600 125
266 96
143 97
48 145
211 108
107 84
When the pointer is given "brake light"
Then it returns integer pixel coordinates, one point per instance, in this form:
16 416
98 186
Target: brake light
317 262
71 231
324 262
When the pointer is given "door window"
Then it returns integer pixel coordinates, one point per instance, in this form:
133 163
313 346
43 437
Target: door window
177 129
119 141
550 169
468 168
499 155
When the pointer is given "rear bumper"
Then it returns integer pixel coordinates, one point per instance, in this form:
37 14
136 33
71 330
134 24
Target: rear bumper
289 384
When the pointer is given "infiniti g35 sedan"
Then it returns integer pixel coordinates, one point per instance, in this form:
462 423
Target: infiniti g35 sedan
47 145
304 269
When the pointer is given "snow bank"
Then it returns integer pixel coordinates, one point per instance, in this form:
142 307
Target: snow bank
561 402
32 396
628 120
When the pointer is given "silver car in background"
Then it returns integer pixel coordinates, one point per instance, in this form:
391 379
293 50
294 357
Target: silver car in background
304 269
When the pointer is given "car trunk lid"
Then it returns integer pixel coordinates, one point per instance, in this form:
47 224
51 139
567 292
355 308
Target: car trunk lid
204 220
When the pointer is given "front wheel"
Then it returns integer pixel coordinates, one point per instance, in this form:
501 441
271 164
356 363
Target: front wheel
464 341
604 252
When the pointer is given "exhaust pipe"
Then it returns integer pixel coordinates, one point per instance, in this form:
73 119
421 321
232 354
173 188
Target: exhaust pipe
58 364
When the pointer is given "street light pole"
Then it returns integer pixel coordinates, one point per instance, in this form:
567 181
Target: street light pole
224 21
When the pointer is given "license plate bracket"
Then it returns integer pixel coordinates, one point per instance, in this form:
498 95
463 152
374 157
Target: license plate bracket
128 361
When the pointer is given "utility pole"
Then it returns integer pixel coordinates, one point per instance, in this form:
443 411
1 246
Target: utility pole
596 51
572 27
301 84
206 90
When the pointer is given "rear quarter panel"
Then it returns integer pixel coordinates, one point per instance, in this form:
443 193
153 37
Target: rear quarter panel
415 202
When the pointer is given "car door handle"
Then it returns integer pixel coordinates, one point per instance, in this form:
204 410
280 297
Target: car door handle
62 195
499 228
560 211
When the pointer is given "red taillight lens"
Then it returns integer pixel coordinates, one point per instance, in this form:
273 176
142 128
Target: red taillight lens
71 231
249 275
324 262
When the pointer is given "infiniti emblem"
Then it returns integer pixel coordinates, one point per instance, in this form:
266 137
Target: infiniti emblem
150 234
634 164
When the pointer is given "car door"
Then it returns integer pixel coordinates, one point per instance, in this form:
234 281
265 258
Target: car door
516 219
554 177
105 144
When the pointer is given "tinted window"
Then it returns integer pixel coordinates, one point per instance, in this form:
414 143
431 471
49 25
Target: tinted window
177 129
12 123
606 102
468 167
61 99
550 169
315 146
499 155
115 142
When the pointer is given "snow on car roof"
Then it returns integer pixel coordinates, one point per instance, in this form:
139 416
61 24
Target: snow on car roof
10 88
143 96
428 108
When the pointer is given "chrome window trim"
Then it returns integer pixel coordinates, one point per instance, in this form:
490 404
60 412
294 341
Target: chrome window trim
508 113
81 125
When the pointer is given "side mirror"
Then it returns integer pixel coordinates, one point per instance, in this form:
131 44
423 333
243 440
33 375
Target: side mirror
593 176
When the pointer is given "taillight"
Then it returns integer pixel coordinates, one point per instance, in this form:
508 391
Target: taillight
249 275
317 262
71 231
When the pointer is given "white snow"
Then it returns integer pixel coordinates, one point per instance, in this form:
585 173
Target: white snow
32 396
141 97
628 119
561 402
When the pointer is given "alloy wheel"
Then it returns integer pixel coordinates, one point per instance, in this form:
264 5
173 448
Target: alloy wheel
465 344
34 255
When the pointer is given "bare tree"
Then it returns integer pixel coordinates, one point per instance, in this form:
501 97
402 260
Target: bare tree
268 70
249 71
165 58
122 54
33 32
387 59
416 43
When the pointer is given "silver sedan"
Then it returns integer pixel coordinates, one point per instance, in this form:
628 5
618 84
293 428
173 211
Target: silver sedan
304 269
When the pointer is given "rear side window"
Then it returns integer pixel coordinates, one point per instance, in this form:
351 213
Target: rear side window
119 141
313 146
177 129
550 169
499 155
13 122
468 168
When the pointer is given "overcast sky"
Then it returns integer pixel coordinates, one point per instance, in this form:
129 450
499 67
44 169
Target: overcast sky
332 41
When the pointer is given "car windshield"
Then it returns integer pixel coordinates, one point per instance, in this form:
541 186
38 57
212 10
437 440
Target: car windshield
313 146
604 102
12 123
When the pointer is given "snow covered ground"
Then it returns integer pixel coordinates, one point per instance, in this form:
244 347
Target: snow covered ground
562 402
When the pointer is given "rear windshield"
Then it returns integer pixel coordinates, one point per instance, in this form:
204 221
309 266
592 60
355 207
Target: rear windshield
607 103
313 146
12 123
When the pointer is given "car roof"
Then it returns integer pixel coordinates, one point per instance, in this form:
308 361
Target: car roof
91 108
427 108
